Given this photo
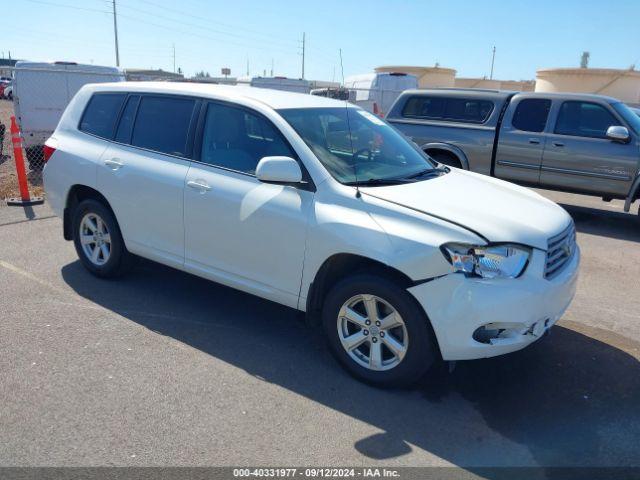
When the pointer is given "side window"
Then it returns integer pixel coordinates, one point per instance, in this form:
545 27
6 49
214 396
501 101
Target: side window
162 124
468 110
455 109
100 116
531 114
236 139
424 107
123 133
584 119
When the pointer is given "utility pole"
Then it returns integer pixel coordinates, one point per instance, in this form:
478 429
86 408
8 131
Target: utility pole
174 58
247 66
303 48
115 32
493 59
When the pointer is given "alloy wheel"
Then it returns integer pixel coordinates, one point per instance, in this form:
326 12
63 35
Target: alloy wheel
95 239
372 332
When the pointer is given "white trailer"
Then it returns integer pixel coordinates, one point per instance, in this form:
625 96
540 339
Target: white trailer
376 92
42 91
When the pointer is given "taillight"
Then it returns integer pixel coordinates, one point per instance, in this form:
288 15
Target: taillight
376 110
47 152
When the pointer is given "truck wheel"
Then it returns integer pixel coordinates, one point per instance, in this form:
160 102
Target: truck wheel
378 332
98 241
445 158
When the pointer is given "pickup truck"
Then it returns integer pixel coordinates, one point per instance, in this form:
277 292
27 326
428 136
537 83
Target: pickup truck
580 143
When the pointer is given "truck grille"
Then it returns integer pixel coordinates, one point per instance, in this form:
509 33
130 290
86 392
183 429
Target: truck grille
560 249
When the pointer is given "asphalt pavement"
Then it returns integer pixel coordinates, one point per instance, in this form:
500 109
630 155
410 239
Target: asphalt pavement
163 368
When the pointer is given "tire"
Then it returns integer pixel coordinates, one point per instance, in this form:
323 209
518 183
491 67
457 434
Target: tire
445 158
421 350
117 260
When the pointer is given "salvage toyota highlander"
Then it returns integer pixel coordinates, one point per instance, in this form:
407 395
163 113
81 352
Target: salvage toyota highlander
318 205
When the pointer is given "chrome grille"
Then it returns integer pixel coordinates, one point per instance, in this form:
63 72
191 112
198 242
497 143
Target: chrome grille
560 249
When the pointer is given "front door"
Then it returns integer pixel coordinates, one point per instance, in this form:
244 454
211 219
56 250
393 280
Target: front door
579 156
239 231
522 141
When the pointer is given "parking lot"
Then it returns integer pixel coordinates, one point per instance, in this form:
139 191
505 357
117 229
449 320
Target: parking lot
163 368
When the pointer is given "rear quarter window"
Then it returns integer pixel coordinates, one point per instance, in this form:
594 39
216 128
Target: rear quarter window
453 109
101 113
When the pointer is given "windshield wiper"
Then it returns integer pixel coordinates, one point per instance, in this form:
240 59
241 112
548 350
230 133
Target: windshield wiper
429 172
379 182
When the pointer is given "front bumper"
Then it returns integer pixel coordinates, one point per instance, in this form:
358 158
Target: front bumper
523 308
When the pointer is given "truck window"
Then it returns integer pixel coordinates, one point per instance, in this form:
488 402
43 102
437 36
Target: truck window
162 124
584 119
464 110
531 114
100 116
424 107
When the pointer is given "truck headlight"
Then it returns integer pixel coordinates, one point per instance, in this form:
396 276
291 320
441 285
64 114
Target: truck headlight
491 261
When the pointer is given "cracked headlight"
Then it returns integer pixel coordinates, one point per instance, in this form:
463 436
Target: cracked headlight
491 261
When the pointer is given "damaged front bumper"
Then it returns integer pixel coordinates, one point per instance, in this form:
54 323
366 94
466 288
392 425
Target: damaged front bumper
477 318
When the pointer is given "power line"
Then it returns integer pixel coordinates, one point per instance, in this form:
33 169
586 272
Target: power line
193 25
74 7
209 20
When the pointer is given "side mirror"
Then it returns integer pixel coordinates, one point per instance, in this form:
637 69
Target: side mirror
279 170
618 133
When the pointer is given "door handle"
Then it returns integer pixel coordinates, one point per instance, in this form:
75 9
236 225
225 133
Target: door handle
199 185
114 163
558 144
535 141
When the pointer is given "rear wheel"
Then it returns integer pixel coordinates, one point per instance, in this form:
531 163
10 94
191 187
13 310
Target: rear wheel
98 241
378 332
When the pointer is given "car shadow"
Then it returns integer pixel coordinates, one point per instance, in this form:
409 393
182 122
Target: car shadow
571 399
605 223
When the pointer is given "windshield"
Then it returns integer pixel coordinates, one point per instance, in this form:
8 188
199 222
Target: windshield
356 146
630 117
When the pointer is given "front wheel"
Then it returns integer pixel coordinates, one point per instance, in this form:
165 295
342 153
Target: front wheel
378 332
98 241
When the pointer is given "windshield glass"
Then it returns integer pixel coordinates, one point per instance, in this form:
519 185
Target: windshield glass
356 146
630 117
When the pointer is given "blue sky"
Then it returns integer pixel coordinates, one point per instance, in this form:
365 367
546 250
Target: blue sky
210 34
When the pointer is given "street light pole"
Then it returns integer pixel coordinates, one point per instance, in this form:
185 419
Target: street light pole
115 32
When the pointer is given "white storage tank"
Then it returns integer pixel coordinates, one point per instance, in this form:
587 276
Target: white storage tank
621 84
428 77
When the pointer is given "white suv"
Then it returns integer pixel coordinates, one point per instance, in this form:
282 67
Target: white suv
317 205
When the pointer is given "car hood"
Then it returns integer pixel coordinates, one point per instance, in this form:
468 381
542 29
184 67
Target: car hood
497 210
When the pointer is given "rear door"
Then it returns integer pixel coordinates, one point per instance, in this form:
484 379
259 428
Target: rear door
142 174
522 140
578 155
